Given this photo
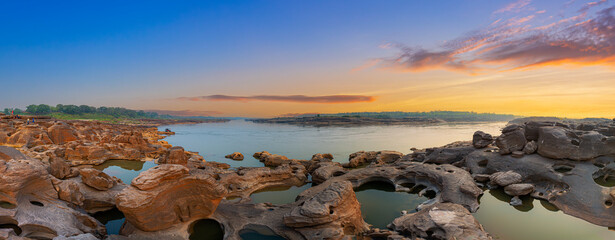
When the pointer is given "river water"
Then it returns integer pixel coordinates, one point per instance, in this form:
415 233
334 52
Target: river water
380 204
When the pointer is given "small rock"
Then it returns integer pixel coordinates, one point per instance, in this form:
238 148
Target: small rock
235 156
505 178
519 189
516 201
481 177
530 147
96 179
517 154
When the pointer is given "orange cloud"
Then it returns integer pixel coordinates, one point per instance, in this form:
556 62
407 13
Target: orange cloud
185 113
288 98
584 39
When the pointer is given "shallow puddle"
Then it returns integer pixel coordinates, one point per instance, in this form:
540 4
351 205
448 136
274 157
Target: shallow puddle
278 195
126 170
535 219
380 204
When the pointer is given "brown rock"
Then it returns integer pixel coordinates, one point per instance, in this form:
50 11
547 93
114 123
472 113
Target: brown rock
60 169
519 189
96 179
61 133
235 156
176 155
166 195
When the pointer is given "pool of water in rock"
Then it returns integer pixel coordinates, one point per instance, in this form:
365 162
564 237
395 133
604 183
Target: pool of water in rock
535 219
126 171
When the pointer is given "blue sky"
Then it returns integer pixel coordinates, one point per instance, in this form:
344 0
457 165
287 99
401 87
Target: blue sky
144 54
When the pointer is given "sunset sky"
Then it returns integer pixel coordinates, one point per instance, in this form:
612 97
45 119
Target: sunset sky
269 58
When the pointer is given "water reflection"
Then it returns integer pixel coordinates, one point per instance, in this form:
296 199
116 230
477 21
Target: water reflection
257 232
380 204
278 195
215 140
112 219
544 222
126 170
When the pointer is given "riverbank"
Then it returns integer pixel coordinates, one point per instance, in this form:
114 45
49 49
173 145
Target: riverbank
347 121
51 177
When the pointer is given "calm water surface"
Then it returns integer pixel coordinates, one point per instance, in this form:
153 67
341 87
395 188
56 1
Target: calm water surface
215 140
380 204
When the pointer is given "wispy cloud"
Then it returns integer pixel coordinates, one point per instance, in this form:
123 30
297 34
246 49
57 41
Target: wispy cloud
185 113
287 98
520 42
513 7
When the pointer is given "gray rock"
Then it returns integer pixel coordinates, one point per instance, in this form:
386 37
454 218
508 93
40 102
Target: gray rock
511 140
505 178
442 221
481 139
560 143
516 201
517 154
530 147
519 189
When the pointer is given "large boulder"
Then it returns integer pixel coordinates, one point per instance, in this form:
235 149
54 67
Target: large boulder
60 169
512 139
61 133
328 214
96 179
29 136
560 143
481 139
176 155
440 221
169 194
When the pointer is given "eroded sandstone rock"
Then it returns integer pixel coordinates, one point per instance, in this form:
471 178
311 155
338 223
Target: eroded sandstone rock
328 214
169 194
440 221
96 179
235 156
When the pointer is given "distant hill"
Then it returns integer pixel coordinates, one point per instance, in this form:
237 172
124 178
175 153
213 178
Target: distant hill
448 116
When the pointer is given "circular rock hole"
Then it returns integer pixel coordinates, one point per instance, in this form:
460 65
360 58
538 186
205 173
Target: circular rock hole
483 163
206 229
604 179
37 203
608 203
560 168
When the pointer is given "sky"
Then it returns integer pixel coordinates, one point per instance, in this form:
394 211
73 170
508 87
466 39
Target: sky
272 58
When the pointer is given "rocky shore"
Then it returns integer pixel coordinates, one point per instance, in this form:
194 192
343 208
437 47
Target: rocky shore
49 190
347 121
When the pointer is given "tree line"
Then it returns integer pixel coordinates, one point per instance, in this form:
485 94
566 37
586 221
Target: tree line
44 109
